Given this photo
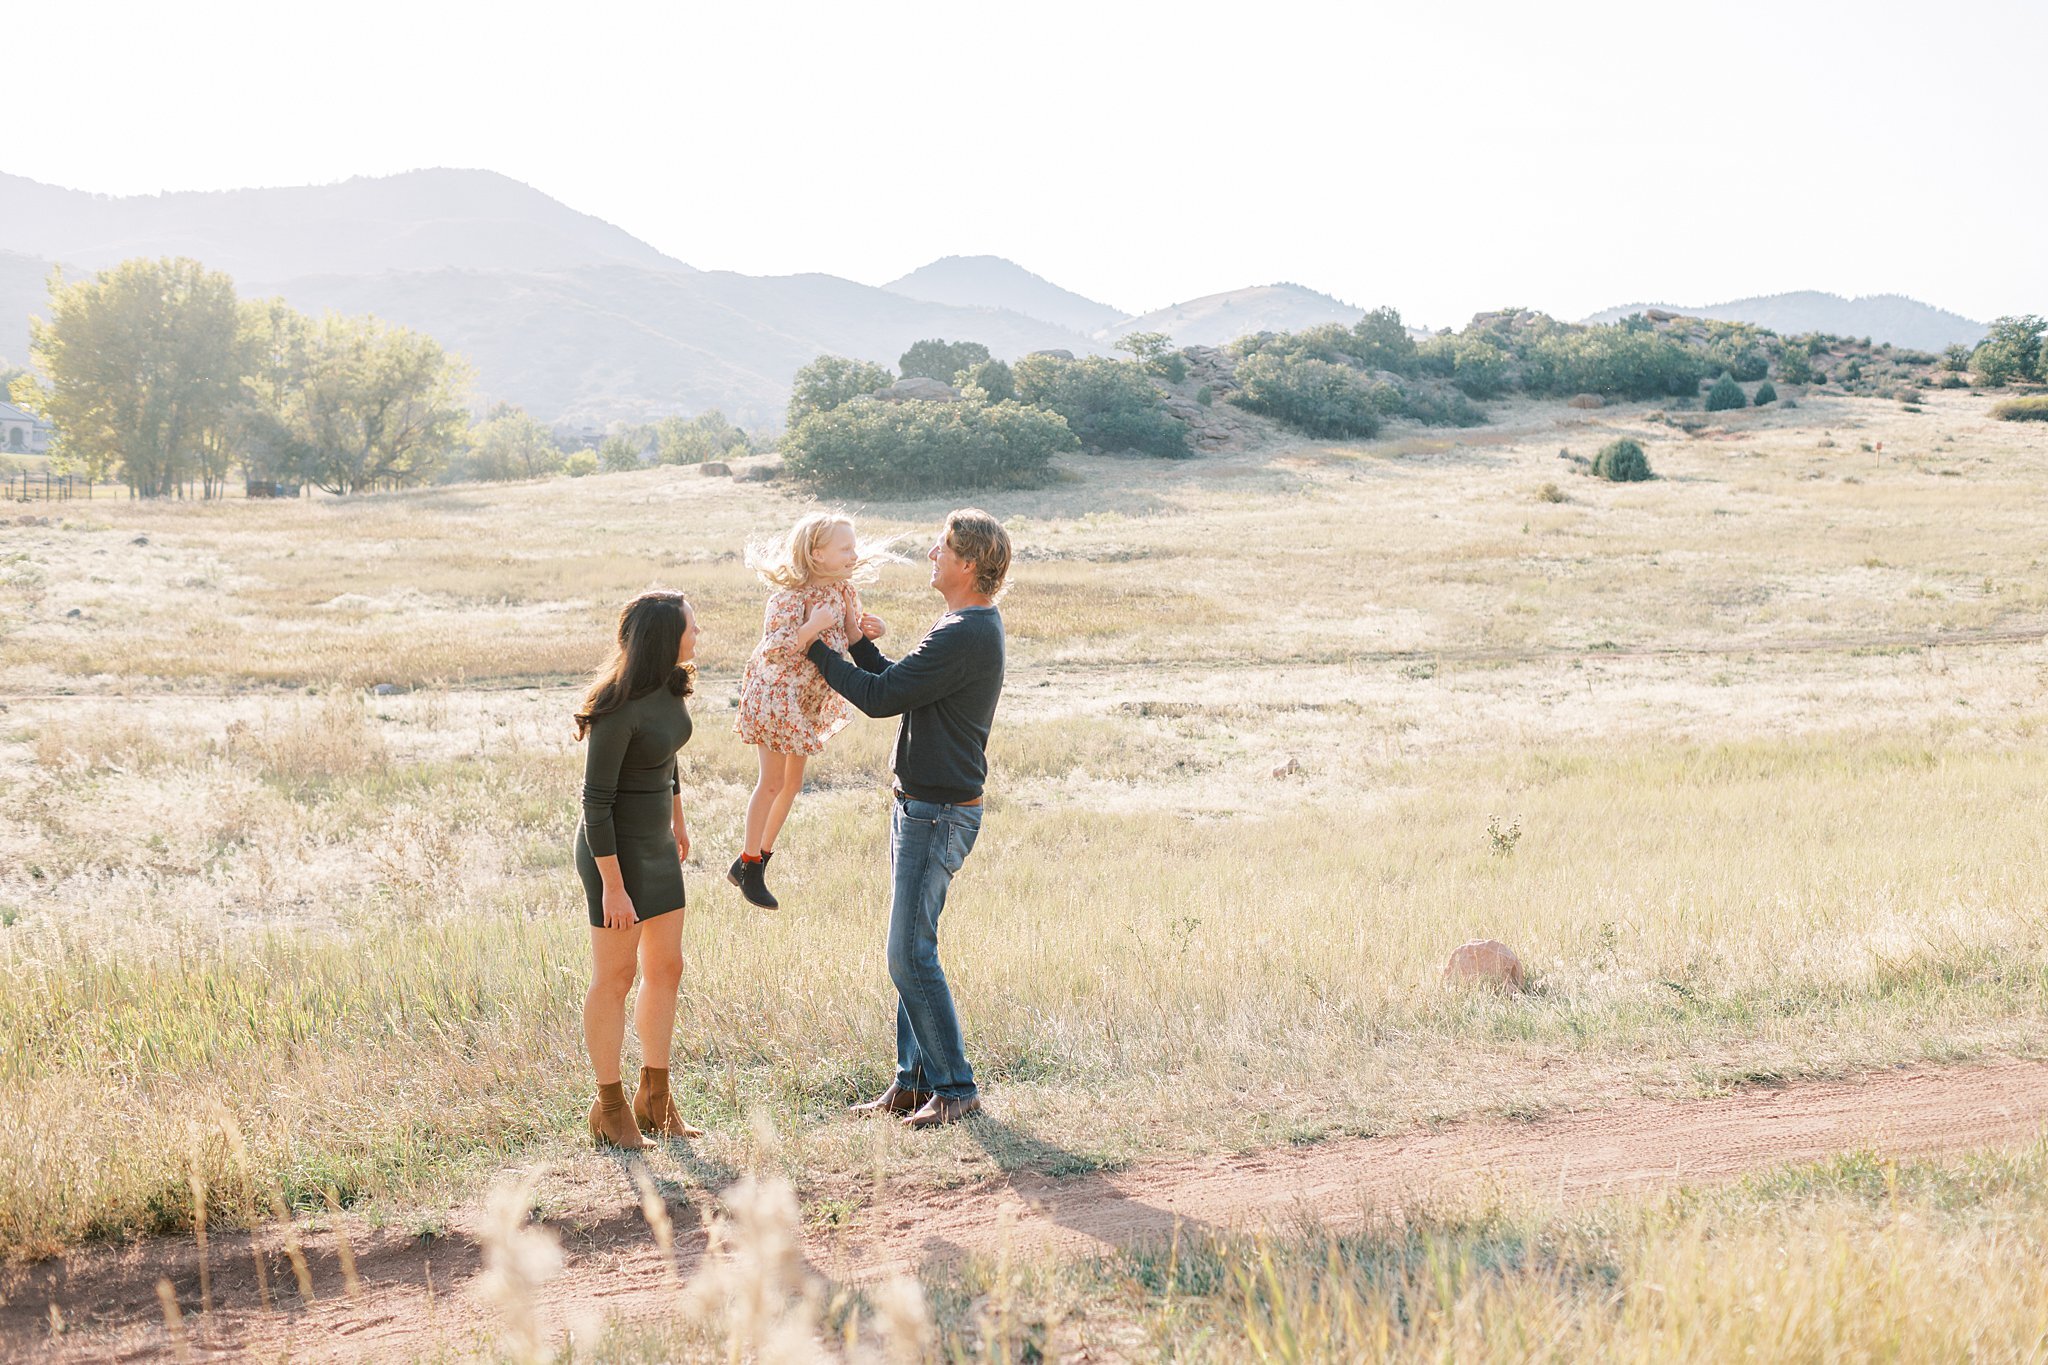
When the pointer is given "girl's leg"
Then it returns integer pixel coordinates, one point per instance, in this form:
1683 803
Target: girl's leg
614 957
778 810
661 978
767 789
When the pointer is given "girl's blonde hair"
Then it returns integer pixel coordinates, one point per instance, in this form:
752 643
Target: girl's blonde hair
791 562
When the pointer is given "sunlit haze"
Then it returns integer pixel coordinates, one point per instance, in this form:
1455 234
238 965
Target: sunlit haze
1442 159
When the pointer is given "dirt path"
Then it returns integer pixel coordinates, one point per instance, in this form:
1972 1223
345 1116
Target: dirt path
418 1296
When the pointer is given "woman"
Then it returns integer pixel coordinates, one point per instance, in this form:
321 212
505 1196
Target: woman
630 848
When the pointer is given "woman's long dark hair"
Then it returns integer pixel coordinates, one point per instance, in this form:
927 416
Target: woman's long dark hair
650 633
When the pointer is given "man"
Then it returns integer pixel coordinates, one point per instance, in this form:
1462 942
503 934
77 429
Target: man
946 691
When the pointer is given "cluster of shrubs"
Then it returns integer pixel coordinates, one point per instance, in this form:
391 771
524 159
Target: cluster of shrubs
2014 352
2034 409
1326 380
1003 432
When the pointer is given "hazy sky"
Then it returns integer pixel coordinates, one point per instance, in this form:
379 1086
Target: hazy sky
1442 158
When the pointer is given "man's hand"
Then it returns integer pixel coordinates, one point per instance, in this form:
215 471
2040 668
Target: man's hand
618 908
873 627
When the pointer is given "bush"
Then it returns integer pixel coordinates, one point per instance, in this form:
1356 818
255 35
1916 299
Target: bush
1314 396
831 380
1205 396
1725 394
939 360
2012 351
1380 341
1430 410
1765 393
581 463
617 455
1476 366
1617 361
992 377
693 440
2033 409
1621 461
1109 404
1795 366
868 448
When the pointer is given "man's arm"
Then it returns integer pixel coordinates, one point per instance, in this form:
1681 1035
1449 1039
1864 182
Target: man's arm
870 659
929 672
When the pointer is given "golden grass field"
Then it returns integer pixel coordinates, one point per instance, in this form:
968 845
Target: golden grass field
1770 727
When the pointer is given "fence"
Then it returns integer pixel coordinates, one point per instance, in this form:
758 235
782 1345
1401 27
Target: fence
44 487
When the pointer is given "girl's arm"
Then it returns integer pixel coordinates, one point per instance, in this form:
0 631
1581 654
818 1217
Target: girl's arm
780 624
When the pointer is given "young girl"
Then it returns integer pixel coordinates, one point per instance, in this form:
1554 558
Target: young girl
786 710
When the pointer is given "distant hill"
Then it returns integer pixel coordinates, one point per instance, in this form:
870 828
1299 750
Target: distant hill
422 220
1890 318
1218 319
23 282
992 282
588 346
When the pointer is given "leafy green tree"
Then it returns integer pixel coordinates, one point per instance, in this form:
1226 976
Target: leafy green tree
1379 341
141 367
940 360
377 404
877 449
831 380
509 444
993 379
693 440
581 464
1616 361
1726 394
618 455
1315 396
1795 365
1956 358
2012 351
1477 365
1109 404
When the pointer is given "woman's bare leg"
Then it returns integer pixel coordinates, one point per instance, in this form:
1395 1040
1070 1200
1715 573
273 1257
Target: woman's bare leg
778 810
614 955
661 978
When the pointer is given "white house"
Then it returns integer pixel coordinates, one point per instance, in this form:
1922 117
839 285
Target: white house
22 433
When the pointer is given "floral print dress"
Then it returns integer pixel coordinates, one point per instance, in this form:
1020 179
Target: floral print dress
784 701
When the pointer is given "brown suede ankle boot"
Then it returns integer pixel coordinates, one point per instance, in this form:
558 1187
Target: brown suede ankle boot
654 1109
611 1120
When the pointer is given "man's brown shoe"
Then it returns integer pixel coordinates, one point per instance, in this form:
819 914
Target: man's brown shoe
939 1110
894 1100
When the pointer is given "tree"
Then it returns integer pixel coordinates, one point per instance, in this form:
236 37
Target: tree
1109 404
2012 351
1621 461
1766 392
1795 366
993 379
1381 342
1956 358
869 449
141 366
617 455
509 444
831 380
1316 396
693 440
940 360
377 404
1726 394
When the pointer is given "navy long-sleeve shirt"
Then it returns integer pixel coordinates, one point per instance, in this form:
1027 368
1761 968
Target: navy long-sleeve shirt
945 690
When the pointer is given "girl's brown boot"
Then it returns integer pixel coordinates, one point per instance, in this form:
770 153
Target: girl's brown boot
611 1120
655 1110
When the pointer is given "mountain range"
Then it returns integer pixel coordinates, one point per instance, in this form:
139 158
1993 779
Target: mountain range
1881 317
582 323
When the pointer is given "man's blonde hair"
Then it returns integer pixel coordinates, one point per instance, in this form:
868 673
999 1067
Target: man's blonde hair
980 539
792 561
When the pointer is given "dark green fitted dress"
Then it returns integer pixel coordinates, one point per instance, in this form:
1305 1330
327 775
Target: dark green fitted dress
629 782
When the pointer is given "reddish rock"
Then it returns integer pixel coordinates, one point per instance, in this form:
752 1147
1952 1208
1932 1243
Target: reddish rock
1485 961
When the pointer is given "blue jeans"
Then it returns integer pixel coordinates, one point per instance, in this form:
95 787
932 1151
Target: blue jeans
927 845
